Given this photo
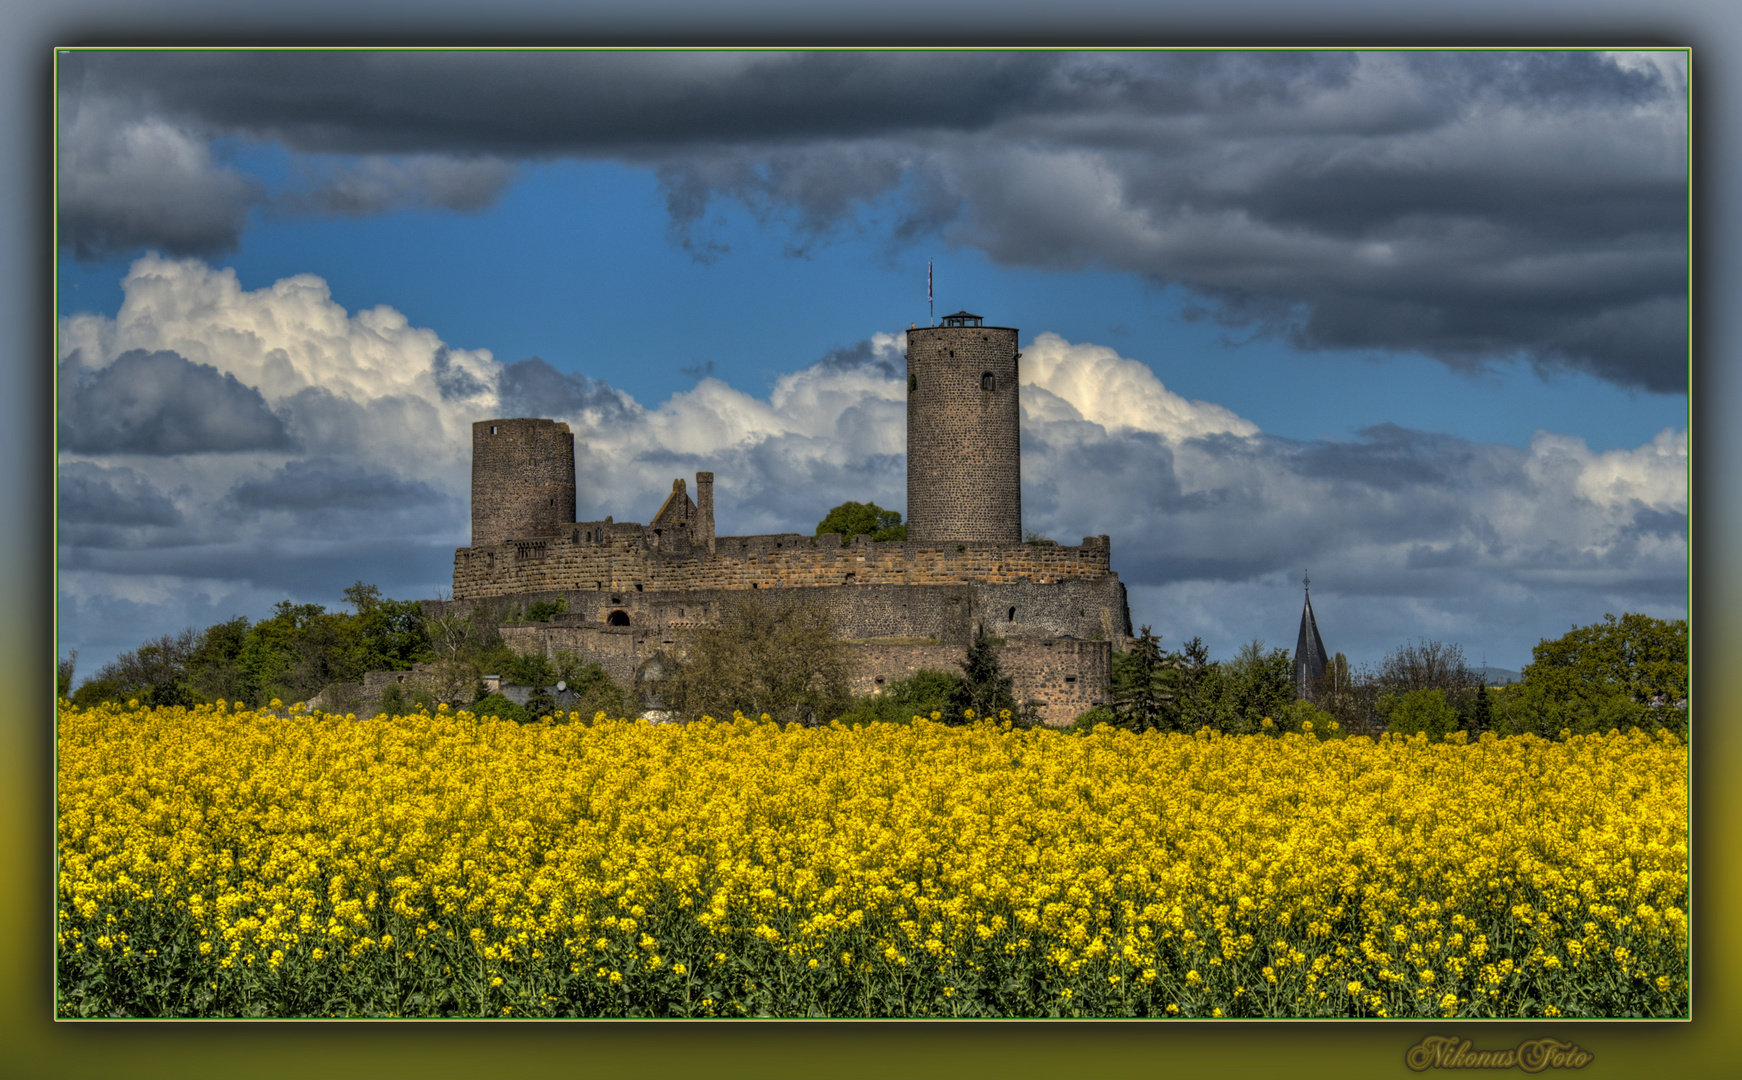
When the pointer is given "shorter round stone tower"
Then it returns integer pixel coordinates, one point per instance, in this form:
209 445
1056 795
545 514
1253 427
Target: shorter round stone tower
964 459
523 479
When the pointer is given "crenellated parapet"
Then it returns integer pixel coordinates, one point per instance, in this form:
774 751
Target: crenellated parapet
605 556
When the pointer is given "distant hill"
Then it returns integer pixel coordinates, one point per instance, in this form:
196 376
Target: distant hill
1497 676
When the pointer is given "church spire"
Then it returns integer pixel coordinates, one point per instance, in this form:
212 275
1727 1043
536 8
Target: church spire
1309 649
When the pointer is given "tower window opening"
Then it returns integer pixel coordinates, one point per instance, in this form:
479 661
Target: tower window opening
492 429
619 618
987 380
912 383
1012 617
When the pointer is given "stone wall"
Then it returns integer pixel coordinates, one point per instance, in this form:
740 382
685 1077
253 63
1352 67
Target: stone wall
523 479
1090 608
1064 677
964 470
604 556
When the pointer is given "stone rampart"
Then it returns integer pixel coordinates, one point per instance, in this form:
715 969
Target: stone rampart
604 557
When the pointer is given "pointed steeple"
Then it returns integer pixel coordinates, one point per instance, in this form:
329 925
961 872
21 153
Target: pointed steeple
1309 649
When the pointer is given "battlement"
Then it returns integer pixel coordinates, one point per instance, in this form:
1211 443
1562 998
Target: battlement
609 556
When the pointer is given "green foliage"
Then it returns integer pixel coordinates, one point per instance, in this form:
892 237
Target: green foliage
1255 684
1089 721
1299 714
542 610
1039 539
852 519
1199 686
1637 655
1482 716
923 693
1600 677
1146 686
1420 712
499 706
293 655
772 653
540 703
63 675
984 687
594 690
393 701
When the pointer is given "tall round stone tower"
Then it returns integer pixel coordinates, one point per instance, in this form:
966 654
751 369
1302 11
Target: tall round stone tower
964 466
523 479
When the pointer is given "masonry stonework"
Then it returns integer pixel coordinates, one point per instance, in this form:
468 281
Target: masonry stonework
964 471
633 590
523 479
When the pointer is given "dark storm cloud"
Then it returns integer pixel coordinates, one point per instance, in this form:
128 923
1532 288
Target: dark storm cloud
863 354
455 382
301 568
161 403
112 508
1476 207
90 493
326 485
532 387
548 104
129 181
376 185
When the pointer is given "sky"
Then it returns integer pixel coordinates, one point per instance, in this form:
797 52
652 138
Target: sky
1414 322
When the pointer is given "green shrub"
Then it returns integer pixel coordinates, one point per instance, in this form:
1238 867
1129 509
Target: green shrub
1420 712
497 705
1086 722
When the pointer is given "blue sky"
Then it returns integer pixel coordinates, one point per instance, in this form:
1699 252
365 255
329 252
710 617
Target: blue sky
570 266
1409 321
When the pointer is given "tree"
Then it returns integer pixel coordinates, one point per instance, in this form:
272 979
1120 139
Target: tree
1427 665
212 669
63 674
1145 686
156 674
1641 657
1421 712
594 690
540 703
499 706
984 687
770 653
852 519
1255 684
923 693
1199 685
1483 717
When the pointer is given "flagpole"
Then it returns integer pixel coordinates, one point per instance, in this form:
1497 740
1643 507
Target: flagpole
931 311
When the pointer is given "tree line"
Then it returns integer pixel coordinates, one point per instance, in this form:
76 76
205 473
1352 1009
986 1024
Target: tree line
778 655
1627 671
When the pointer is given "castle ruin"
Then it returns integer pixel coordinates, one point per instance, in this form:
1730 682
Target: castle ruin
632 590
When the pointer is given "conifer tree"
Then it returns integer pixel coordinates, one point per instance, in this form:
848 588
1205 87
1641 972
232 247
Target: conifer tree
1144 685
984 687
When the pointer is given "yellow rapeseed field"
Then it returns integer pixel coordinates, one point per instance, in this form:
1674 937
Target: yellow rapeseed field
238 863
